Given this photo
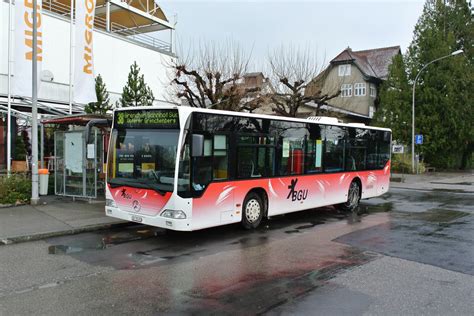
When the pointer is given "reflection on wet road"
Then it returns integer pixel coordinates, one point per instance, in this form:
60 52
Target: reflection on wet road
441 236
138 246
290 260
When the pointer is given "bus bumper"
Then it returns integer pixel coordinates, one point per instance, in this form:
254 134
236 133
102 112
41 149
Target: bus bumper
157 221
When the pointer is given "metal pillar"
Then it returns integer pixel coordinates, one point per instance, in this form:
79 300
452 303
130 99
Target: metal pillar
34 111
107 16
42 145
71 35
9 100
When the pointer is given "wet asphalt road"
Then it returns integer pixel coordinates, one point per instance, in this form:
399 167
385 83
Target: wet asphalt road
409 252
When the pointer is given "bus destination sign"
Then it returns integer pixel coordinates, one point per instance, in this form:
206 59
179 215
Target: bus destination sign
147 119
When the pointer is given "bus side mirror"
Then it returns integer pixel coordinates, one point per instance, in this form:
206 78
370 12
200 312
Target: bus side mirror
198 145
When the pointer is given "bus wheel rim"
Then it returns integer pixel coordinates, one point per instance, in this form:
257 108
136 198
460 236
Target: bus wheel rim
252 210
353 195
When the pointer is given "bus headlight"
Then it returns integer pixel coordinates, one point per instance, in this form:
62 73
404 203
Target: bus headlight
173 214
110 202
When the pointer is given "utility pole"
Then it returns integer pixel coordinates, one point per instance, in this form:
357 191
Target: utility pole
34 111
9 100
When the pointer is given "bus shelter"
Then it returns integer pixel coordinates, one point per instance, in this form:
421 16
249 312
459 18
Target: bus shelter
80 155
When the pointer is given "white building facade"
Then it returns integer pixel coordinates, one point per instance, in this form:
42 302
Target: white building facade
114 52
124 33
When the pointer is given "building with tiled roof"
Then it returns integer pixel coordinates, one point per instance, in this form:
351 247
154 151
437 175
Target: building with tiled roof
358 75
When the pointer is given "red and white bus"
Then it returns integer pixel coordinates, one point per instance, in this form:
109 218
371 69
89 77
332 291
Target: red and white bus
186 169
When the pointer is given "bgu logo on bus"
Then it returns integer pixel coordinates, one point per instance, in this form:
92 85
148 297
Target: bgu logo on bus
299 195
125 195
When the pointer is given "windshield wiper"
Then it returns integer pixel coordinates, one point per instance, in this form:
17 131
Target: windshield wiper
135 183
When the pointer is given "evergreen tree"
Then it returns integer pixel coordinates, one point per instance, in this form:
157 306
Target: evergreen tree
136 92
394 110
444 91
19 149
103 100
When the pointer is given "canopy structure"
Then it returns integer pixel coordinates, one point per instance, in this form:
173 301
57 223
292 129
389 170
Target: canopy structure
137 16
75 119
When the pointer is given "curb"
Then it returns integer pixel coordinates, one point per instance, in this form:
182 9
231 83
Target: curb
72 231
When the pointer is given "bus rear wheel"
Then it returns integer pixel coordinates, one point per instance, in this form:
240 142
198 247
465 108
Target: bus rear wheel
252 211
353 198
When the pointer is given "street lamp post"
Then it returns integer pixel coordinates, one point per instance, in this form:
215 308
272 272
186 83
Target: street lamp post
413 106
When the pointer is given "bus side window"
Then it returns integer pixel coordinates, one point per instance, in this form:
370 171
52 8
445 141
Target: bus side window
291 149
334 148
383 149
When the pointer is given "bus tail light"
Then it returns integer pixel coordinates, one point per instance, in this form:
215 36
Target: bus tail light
176 214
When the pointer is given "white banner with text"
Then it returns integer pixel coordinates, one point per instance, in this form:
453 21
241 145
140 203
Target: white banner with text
84 83
23 53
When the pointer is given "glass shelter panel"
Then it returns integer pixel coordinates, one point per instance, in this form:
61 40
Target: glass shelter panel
76 164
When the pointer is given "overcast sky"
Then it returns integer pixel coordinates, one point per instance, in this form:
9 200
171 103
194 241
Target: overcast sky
326 26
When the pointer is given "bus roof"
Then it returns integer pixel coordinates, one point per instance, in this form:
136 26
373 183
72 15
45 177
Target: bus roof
322 120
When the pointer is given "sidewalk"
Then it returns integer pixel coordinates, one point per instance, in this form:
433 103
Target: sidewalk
446 181
54 216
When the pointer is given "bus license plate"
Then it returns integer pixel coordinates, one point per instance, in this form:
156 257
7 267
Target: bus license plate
137 218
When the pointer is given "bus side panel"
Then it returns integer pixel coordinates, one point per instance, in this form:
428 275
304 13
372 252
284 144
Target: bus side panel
216 206
369 181
383 181
285 195
222 202
292 194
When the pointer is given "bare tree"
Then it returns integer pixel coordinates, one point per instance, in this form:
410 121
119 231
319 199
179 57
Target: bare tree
294 72
209 76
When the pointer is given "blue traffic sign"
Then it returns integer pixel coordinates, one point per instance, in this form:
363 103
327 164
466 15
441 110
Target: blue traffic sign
418 139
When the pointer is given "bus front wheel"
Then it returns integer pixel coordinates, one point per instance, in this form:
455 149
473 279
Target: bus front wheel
353 198
252 211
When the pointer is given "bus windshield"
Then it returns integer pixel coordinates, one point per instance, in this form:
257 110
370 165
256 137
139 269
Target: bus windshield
143 158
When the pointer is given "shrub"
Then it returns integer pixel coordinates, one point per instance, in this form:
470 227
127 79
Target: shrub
14 189
402 164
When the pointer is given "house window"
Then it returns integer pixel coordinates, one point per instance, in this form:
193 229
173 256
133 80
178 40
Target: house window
344 70
371 111
359 89
372 90
346 90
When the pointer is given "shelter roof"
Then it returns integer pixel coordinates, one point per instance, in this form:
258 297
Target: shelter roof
75 119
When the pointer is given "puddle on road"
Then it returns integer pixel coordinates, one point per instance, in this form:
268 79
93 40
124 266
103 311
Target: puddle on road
440 237
435 215
365 209
449 190
250 241
131 235
99 240
293 231
456 183
62 249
